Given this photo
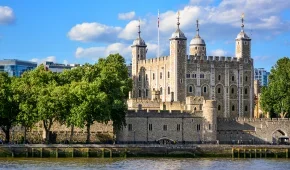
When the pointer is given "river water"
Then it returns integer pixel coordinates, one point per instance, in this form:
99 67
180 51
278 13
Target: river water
144 163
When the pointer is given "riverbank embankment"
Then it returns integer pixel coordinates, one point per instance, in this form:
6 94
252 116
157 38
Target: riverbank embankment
132 150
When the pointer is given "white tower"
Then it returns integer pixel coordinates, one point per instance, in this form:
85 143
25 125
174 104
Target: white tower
243 44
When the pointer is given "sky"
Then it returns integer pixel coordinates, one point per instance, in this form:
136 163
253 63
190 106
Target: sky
71 31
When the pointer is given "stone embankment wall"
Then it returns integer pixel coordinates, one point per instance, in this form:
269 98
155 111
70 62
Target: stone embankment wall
252 130
99 133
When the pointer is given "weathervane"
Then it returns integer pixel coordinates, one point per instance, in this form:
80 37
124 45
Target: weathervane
178 23
139 27
242 18
197 28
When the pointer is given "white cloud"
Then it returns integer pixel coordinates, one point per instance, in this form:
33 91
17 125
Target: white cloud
6 15
126 16
65 62
95 53
218 52
42 60
130 30
88 32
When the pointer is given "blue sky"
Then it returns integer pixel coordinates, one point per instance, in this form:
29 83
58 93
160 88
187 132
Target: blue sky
71 31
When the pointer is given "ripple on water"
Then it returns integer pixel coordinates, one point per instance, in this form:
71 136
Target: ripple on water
143 163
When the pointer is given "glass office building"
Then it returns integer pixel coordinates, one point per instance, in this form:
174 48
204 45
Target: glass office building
16 67
262 75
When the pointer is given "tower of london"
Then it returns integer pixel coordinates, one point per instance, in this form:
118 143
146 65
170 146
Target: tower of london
187 92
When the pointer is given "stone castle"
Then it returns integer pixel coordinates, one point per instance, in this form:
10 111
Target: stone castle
191 98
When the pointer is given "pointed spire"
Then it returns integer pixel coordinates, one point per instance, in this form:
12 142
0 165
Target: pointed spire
139 28
242 19
197 28
178 23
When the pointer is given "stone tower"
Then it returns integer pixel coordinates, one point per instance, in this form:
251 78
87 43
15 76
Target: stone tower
243 44
178 59
138 53
210 123
197 45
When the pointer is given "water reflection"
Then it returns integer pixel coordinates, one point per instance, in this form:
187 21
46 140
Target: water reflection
143 163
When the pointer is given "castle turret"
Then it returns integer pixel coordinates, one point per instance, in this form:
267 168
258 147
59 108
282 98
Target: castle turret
210 123
178 60
243 44
138 53
197 45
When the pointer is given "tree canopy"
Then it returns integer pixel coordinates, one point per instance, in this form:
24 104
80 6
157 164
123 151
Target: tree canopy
276 96
76 97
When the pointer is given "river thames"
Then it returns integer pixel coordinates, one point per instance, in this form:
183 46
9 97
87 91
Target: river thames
144 163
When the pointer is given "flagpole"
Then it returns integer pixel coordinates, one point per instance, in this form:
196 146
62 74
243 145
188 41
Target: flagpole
158 35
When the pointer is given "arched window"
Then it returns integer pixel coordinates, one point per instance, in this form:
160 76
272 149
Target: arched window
233 107
233 90
146 77
246 108
139 78
168 89
219 107
160 75
153 76
233 78
246 91
160 90
190 89
168 74
140 93
219 90
219 77
204 89
246 78
194 108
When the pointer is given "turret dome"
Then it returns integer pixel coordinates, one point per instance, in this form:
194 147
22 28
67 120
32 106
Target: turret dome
139 41
178 34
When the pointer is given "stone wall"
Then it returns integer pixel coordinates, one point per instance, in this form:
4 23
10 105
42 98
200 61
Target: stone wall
252 130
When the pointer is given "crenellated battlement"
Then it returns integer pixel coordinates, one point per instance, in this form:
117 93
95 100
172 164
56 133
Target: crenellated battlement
154 60
162 113
193 59
245 120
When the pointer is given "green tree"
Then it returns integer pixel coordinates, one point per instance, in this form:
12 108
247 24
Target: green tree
276 96
9 108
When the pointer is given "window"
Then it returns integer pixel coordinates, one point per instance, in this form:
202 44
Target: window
160 90
150 127
160 75
196 48
146 92
153 76
246 78
165 127
198 127
204 89
246 108
168 89
187 75
168 74
193 76
201 76
130 128
190 90
233 90
178 127
202 48
146 77
219 90
209 126
233 107
219 77
139 93
139 78
219 107
181 81
246 91
233 78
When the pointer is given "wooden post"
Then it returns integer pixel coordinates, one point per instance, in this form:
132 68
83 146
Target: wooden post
111 153
26 152
238 153
41 152
103 154
32 152
72 153
56 152
88 149
12 153
265 153
126 153
244 153
255 153
250 153
260 153
233 153
286 153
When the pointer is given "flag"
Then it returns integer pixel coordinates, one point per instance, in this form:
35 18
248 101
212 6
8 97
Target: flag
158 19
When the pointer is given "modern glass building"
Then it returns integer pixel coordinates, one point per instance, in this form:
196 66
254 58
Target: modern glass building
262 75
16 67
